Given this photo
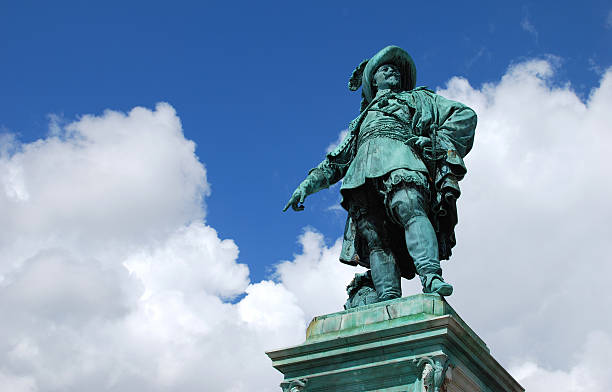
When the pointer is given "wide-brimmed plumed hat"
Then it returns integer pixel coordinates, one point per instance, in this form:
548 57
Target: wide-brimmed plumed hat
364 73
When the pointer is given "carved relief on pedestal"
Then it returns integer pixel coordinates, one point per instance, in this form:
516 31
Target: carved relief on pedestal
294 386
434 373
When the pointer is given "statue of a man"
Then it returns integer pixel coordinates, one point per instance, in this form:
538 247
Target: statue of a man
400 164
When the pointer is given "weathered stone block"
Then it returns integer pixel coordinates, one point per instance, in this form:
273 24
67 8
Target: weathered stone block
416 343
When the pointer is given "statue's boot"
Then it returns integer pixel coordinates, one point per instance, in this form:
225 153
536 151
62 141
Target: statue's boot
435 284
422 245
385 275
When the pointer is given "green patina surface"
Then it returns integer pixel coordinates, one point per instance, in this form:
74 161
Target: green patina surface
400 165
383 316
396 345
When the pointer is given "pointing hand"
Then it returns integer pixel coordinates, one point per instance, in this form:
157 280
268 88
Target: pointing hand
296 201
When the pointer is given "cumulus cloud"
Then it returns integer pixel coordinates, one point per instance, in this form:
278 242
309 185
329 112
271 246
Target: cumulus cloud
316 277
114 282
77 206
589 371
534 230
97 180
192 260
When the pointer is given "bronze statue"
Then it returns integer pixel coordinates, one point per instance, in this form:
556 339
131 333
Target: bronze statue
400 164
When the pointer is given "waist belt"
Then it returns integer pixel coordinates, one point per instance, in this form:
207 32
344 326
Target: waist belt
387 129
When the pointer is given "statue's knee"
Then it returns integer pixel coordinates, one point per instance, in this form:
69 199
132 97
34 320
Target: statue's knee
371 233
403 212
406 205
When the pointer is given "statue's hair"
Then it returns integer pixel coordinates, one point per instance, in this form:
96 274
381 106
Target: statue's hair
357 75
364 103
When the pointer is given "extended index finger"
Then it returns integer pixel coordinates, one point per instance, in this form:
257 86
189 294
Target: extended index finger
288 205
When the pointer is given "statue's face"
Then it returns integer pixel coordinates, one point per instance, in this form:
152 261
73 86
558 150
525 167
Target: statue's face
387 76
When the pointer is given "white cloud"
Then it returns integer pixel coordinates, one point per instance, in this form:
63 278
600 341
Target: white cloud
112 280
316 276
591 372
17 384
55 285
193 259
595 66
99 179
534 232
608 23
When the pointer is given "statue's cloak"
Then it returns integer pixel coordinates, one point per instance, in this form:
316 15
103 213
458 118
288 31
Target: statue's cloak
451 126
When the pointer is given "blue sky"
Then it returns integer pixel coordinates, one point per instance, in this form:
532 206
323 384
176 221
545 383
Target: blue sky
147 150
261 87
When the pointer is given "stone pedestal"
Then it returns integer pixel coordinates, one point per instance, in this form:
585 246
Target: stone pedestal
414 344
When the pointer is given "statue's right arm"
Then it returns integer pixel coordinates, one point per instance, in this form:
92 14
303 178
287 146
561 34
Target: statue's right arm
327 173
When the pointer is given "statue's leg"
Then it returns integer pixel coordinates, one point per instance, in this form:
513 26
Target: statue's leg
369 221
409 206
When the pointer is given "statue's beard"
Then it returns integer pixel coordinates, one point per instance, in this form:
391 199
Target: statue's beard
393 82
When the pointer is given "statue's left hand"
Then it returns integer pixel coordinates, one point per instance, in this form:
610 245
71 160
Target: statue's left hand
297 199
